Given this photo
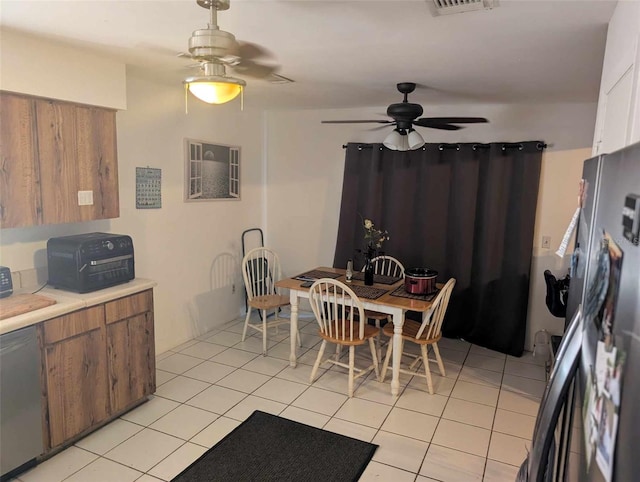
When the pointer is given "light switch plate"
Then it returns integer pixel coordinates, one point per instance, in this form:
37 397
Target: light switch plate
85 198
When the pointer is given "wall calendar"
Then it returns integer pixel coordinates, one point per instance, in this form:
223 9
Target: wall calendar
148 188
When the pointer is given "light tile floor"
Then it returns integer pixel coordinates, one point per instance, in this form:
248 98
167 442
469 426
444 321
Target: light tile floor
477 425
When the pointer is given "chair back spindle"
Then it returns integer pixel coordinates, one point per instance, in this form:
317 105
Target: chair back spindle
388 266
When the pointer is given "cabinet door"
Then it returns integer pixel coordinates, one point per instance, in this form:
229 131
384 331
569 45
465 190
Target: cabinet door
131 360
77 152
76 385
96 154
56 131
19 176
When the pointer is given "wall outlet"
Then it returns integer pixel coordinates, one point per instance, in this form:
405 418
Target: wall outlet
233 288
546 242
85 198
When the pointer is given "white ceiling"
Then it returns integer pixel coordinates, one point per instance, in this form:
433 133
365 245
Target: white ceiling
352 53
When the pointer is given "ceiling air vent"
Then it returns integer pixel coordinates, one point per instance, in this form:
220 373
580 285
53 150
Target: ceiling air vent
446 7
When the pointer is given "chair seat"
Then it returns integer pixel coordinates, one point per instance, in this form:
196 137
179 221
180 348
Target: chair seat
369 332
267 302
410 329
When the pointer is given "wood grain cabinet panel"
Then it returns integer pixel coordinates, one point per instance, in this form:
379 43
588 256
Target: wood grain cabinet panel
130 349
131 361
129 306
56 133
77 397
98 169
53 150
73 324
19 177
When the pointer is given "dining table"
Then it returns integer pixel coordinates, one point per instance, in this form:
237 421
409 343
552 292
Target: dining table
386 295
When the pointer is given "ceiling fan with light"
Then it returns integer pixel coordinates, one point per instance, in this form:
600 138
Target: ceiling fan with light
215 50
405 115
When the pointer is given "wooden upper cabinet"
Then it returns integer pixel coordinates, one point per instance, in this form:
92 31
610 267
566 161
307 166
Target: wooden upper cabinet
56 135
65 148
98 167
19 177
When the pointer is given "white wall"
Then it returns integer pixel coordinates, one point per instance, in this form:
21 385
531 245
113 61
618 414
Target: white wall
560 175
30 65
557 201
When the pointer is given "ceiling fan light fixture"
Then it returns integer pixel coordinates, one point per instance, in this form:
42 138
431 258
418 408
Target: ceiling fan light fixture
403 140
414 140
393 141
215 89
403 145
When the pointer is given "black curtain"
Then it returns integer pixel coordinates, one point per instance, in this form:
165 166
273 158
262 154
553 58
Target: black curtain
465 210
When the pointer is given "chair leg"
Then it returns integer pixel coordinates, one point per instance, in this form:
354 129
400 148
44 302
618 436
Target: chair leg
439 359
299 339
427 372
246 323
264 332
378 336
318 360
385 365
374 356
338 352
352 360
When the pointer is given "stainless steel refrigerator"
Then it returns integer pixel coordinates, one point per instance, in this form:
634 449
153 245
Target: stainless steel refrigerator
596 436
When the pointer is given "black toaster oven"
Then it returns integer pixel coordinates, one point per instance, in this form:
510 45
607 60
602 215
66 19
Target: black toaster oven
90 262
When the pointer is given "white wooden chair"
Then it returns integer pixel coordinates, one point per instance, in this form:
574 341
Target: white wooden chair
423 334
260 271
387 266
335 307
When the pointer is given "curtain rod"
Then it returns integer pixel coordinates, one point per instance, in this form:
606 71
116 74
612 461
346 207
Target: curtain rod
507 145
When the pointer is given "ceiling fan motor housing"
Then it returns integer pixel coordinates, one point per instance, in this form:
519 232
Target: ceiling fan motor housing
403 113
206 44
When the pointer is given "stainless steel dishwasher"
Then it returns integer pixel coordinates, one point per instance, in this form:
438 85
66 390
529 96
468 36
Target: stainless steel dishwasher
20 403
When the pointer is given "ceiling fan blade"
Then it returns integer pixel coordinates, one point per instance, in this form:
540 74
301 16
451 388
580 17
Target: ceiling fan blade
253 69
444 127
377 128
248 50
430 121
357 122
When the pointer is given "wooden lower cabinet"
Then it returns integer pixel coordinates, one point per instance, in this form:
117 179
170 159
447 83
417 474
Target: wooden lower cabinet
130 350
75 366
96 366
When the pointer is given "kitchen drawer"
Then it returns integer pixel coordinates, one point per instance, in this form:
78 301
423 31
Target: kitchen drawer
129 306
73 324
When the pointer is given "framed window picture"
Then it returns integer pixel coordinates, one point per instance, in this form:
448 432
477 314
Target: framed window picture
212 171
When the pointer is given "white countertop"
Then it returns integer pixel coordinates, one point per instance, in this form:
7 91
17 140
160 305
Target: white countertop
68 301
